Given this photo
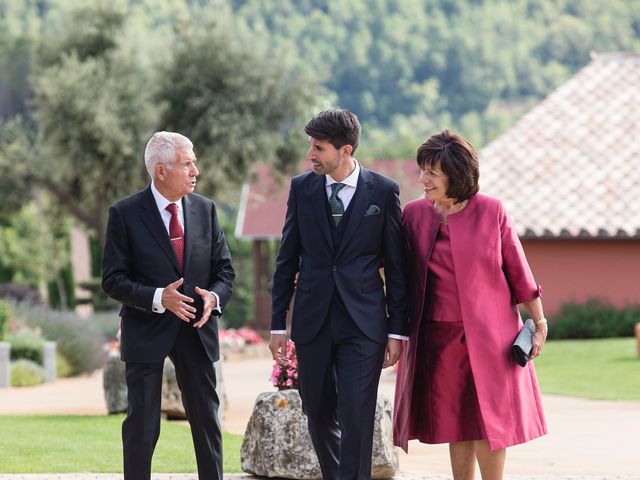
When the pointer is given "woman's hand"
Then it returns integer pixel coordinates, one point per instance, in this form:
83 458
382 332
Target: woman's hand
538 339
534 309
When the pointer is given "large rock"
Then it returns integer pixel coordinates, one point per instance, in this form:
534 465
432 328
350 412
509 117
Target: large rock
114 384
277 442
171 405
385 455
115 389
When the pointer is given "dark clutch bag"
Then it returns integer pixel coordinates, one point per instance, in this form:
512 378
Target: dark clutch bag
521 347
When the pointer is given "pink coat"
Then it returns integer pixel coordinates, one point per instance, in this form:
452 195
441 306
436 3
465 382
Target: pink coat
492 276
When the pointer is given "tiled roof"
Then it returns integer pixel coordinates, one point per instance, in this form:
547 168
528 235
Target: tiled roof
570 168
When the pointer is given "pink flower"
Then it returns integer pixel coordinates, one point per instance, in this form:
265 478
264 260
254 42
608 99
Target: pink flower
286 376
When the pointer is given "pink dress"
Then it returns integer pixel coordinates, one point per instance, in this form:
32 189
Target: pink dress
491 277
449 410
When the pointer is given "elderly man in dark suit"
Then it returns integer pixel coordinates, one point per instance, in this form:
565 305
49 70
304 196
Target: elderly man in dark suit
166 260
342 224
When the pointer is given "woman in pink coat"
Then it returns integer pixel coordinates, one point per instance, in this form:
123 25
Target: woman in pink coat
458 382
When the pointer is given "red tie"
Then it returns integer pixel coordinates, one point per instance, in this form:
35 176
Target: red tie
176 234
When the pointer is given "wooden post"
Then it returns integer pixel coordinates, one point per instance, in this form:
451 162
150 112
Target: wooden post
261 286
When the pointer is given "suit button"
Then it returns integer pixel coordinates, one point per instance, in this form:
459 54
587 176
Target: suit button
334 268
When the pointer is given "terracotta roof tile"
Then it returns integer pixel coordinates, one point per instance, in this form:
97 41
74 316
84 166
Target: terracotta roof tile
571 166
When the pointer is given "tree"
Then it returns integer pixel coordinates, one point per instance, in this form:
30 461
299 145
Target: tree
235 102
96 101
92 112
34 247
488 58
20 23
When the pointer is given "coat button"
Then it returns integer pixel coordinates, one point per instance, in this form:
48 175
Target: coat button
334 268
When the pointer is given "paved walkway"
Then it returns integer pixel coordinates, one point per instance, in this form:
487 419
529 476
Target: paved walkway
174 476
589 440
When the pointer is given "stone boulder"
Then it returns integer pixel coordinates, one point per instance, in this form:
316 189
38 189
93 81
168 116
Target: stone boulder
114 384
115 389
277 442
171 405
385 462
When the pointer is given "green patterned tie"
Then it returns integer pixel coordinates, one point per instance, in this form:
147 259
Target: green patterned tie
337 207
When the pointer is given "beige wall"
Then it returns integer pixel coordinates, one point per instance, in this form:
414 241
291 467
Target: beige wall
575 270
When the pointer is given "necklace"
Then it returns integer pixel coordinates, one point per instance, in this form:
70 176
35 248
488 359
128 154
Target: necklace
444 212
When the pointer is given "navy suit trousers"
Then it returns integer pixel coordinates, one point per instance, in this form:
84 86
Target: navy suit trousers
339 371
196 378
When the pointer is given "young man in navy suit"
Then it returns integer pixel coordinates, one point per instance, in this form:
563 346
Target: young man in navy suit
342 225
166 260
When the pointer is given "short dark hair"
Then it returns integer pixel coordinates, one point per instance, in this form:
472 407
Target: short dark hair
457 159
339 127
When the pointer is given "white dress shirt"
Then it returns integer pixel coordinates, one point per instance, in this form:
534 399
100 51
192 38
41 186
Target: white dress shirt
346 195
162 203
347 192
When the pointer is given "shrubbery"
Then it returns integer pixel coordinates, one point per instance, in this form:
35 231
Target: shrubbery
26 346
63 369
25 373
79 340
4 318
106 322
98 299
17 292
594 319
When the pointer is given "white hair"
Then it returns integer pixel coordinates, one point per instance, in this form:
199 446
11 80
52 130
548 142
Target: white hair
161 149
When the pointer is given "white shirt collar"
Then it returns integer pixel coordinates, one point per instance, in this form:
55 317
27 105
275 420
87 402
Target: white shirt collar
161 201
351 180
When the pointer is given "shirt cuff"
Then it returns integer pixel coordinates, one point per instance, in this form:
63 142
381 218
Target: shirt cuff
278 332
398 337
217 309
156 306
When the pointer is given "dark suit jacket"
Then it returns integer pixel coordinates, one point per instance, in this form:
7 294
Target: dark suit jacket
138 258
372 235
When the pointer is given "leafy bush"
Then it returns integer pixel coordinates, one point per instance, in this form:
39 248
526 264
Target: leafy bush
61 288
63 369
106 322
26 346
20 293
240 309
98 299
78 339
25 373
594 319
4 318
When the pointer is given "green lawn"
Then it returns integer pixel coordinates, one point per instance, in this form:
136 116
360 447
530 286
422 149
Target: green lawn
602 369
74 444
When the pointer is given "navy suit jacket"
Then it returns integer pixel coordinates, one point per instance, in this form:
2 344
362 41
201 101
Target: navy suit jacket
138 258
371 238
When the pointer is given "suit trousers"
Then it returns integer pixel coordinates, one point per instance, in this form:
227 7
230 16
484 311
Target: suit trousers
339 372
197 381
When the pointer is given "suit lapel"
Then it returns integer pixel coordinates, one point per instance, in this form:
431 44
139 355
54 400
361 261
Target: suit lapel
151 218
189 222
359 204
317 194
